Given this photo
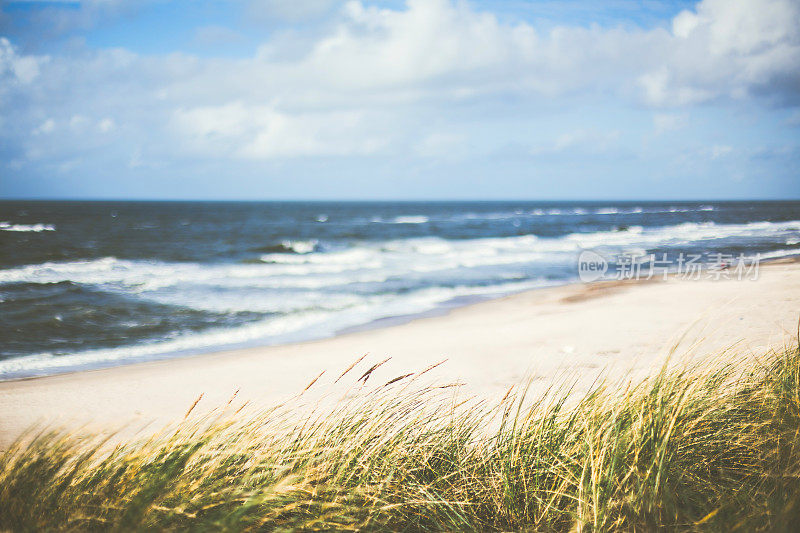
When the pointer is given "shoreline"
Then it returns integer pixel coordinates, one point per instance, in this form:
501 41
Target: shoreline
441 310
609 328
303 336
300 337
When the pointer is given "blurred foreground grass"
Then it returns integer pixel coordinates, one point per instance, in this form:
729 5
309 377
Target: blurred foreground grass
712 446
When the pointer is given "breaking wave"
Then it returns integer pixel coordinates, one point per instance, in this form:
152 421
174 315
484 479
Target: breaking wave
313 284
36 228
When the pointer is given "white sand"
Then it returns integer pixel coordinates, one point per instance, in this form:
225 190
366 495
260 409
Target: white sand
583 329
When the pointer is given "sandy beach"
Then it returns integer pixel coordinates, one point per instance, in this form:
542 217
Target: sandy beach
577 331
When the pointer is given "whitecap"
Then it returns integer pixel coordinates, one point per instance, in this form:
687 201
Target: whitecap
410 219
775 254
7 226
309 324
300 247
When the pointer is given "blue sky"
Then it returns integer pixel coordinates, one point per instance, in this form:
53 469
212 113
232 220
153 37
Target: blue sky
424 99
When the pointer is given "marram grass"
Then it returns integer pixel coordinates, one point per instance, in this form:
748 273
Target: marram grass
709 447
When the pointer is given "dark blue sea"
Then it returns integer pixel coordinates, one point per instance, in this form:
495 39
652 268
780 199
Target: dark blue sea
92 284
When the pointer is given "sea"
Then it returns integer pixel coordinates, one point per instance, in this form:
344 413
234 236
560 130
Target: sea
87 285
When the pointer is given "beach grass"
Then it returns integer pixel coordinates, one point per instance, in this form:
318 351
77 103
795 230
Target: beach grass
706 446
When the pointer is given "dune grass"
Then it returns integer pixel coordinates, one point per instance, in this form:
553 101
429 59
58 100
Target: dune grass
704 447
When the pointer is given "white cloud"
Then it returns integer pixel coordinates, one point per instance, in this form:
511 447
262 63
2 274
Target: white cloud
17 68
430 39
261 132
369 80
724 48
665 122
45 127
729 48
105 125
441 49
26 69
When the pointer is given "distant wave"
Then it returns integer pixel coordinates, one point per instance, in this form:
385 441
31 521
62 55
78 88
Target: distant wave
287 246
403 219
643 210
538 212
7 226
307 266
637 210
310 288
410 220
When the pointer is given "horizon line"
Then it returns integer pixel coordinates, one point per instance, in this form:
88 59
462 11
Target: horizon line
399 200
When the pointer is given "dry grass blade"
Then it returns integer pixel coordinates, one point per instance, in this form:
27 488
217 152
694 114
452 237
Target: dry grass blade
431 367
193 406
312 382
398 378
351 367
365 376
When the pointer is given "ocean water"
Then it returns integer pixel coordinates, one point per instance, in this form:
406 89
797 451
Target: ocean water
92 284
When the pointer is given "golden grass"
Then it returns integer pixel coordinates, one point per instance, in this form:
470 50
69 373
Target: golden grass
707 447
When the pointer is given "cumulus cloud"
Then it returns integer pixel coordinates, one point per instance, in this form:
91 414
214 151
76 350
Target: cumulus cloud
261 132
361 83
729 48
724 48
16 68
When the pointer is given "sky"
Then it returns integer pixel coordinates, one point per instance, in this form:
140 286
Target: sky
391 100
